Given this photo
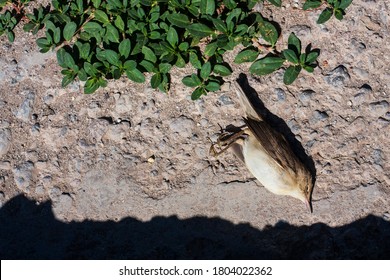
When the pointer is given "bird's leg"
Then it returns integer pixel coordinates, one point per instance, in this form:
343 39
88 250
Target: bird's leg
227 142
232 137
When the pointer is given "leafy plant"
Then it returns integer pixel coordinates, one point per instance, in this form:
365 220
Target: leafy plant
13 13
292 56
99 40
333 7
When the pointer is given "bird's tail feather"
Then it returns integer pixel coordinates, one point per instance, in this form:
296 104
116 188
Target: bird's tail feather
246 104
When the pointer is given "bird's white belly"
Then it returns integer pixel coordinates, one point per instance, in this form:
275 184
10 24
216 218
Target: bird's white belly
264 168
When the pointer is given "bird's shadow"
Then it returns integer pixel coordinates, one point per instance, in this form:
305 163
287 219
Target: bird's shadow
277 123
29 230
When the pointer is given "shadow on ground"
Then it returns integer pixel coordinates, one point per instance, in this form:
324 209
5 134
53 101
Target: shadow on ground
28 231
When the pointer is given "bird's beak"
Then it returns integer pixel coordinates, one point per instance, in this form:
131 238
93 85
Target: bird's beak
308 205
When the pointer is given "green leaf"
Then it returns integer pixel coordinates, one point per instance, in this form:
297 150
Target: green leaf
191 81
345 4
102 82
61 58
154 35
247 55
231 4
120 23
149 54
164 68
294 43
57 35
149 67
197 93
277 3
291 74
179 20
130 65
135 75
291 56
82 75
207 7
156 80
69 61
101 16
338 14
205 71
115 72
269 32
96 3
312 4
266 65
124 48
325 16
308 68
69 30
184 46
222 70
89 69
311 57
28 26
101 55
194 60
302 58
180 62
84 50
211 48
172 37
252 4
230 22
112 33
112 57
213 86
92 27
200 30
219 24
43 43
67 79
91 85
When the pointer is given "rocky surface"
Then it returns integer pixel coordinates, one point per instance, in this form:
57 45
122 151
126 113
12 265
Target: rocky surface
133 155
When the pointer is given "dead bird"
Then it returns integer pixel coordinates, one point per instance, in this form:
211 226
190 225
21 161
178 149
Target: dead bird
267 155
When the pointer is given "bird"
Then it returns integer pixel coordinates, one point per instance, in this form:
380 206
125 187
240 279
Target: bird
267 154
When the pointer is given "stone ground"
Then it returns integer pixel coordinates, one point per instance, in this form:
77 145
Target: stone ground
125 173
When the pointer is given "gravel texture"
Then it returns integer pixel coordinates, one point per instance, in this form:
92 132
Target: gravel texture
125 173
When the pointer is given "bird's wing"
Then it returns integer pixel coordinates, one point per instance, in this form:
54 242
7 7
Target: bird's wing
274 144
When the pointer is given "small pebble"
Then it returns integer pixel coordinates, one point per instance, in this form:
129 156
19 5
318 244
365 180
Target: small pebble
306 95
362 94
377 156
293 125
301 30
280 94
338 77
151 159
5 165
358 46
320 115
225 100
379 108
23 176
5 141
26 107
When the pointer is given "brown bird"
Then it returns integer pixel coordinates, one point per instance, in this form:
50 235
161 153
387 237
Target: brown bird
267 155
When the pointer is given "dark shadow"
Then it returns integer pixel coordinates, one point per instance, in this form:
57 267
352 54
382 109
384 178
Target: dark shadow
278 124
30 231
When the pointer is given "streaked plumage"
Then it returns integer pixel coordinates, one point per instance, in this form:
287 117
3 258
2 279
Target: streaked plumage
267 155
